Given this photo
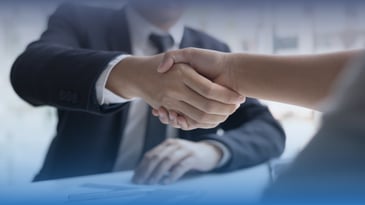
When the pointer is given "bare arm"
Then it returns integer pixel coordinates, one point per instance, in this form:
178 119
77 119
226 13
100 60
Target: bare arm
301 80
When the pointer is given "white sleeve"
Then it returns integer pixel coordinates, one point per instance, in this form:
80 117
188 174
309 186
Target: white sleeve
103 95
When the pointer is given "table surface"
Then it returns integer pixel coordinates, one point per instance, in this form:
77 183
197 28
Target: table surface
244 186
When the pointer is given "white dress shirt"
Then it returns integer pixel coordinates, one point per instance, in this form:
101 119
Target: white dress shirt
134 133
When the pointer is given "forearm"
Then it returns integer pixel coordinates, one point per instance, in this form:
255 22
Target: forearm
300 80
131 75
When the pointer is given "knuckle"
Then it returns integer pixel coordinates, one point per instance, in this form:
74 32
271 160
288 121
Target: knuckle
210 107
219 121
150 156
169 159
178 70
203 117
186 164
166 101
216 124
194 125
188 52
178 145
158 157
233 109
189 151
169 94
244 100
225 118
169 55
207 90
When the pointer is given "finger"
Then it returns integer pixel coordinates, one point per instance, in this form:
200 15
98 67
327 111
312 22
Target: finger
210 90
191 125
170 58
172 117
155 113
170 161
140 171
180 170
188 124
162 111
151 161
163 116
197 115
184 123
207 105
164 120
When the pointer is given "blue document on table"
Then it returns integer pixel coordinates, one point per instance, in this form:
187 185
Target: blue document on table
95 192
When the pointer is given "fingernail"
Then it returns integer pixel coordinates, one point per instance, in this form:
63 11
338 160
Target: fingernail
160 67
172 118
162 120
162 117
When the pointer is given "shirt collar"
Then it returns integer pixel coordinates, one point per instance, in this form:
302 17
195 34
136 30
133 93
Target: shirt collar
140 29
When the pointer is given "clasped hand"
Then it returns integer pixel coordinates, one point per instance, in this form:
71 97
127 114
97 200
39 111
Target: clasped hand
215 66
182 90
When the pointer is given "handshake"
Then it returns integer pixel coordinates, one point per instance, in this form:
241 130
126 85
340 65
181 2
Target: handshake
188 89
196 88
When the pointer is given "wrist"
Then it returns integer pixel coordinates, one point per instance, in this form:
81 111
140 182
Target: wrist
123 78
214 152
237 64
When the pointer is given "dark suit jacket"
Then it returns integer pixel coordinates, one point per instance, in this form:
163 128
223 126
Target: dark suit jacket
61 70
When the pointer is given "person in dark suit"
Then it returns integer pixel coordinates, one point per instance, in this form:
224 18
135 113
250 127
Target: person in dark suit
80 66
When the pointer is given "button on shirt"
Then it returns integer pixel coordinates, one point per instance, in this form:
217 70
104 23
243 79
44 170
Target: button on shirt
140 31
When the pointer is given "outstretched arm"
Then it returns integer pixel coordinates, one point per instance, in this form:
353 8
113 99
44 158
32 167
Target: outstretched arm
302 80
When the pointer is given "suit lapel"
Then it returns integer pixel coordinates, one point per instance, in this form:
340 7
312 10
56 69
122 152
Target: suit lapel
118 32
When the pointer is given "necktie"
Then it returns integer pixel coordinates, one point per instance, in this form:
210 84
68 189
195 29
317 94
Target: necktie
156 131
162 43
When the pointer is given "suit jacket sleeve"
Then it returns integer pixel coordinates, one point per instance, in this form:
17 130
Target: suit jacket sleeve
252 135
57 71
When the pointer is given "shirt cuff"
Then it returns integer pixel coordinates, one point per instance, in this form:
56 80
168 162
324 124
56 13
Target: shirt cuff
226 154
104 95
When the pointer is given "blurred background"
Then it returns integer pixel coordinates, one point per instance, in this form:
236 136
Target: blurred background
267 27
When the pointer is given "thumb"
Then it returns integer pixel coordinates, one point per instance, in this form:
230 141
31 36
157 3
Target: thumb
166 63
172 57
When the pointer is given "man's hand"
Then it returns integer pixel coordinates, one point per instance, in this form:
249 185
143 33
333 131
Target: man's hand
182 90
174 158
211 64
